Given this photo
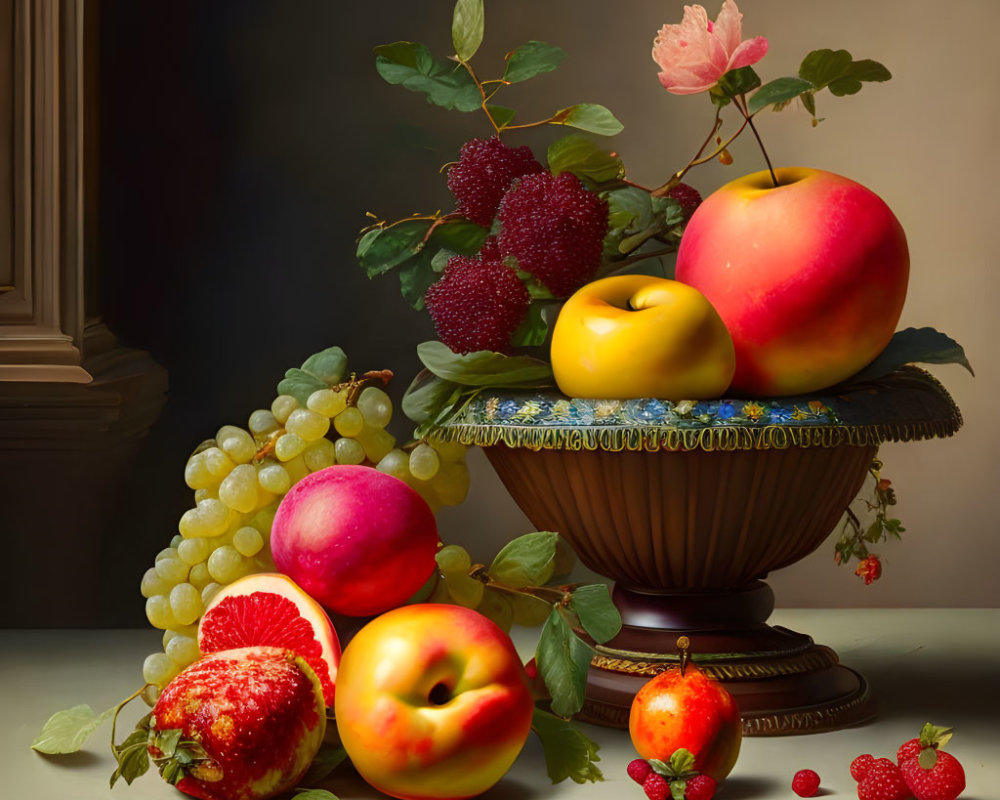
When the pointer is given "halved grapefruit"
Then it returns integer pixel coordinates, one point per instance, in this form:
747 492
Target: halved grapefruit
270 609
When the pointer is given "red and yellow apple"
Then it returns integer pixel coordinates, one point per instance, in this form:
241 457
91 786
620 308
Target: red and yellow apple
432 702
641 336
687 709
809 276
357 540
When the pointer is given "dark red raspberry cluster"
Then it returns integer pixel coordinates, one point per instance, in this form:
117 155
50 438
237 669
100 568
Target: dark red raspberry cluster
484 171
555 229
688 197
478 303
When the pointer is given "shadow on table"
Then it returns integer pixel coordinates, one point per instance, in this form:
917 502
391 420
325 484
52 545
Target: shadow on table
751 787
968 687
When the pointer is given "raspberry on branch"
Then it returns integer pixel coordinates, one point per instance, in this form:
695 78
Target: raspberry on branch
483 173
477 305
554 227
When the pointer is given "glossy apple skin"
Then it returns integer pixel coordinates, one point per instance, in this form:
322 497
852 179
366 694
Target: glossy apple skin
404 738
692 711
355 539
641 336
809 277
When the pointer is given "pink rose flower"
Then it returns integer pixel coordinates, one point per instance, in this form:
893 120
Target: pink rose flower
696 53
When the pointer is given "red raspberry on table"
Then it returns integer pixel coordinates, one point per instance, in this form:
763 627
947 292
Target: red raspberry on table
656 787
555 229
638 770
477 305
860 765
700 787
908 750
805 783
945 780
688 197
883 781
483 172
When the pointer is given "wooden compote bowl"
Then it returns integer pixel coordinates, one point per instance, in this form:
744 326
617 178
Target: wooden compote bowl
688 508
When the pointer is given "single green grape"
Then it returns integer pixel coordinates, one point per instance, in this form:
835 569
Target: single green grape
239 488
152 584
328 402
172 570
464 590
274 478
236 443
185 603
158 669
376 406
248 541
307 424
349 451
183 650
282 406
262 422
217 462
424 462
320 455
396 463
159 613
195 551
226 564
453 559
288 446
349 422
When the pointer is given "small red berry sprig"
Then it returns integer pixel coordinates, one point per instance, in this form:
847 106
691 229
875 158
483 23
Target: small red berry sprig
676 778
922 770
856 537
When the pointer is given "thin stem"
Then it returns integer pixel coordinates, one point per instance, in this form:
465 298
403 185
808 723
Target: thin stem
118 708
482 94
663 190
745 110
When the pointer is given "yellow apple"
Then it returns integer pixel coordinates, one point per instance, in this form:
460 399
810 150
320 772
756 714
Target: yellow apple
432 702
641 336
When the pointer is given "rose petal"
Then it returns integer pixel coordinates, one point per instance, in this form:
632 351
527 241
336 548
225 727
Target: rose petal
749 52
728 26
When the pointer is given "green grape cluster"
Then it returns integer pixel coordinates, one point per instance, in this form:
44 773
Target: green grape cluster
239 478
459 581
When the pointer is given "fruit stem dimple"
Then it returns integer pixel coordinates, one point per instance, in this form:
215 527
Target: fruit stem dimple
683 643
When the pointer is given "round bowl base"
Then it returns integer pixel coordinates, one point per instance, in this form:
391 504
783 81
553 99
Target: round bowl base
783 682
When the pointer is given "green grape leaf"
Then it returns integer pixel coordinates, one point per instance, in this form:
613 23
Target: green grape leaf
484 367
326 760
778 91
459 236
416 277
529 611
315 794
467 28
822 67
132 757
568 752
328 365
598 615
531 59
66 731
914 346
300 384
526 561
411 65
534 330
426 395
589 117
629 208
501 115
563 659
579 155
382 249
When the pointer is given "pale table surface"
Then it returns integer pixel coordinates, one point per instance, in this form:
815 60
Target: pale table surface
936 665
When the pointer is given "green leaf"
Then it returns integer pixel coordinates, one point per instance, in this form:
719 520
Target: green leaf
678 790
484 367
532 59
535 328
382 249
315 794
579 155
914 346
568 752
467 28
502 115
300 384
927 758
739 81
328 365
629 208
167 740
326 760
598 615
426 395
778 91
416 277
526 561
822 67
66 731
809 101
874 532
132 757
589 117
844 86
460 236
935 735
536 289
563 660
410 65
867 70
